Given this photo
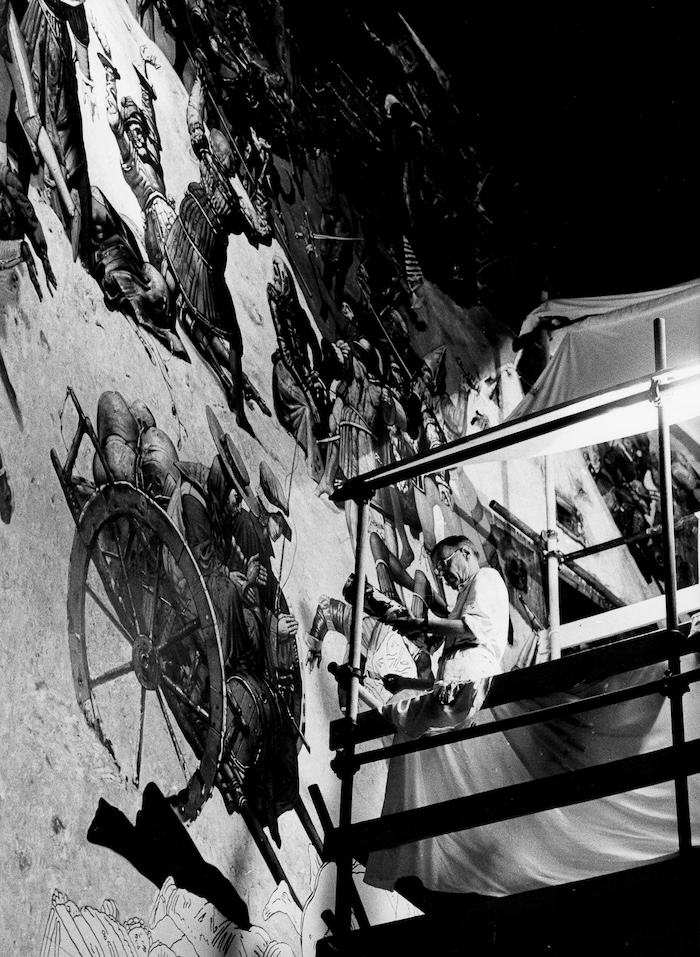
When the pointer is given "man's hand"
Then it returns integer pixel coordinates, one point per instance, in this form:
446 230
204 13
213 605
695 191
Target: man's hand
313 656
409 625
255 573
385 397
149 57
252 569
447 691
287 627
238 578
342 350
199 140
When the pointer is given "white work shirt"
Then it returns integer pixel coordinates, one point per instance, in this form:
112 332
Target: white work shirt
482 604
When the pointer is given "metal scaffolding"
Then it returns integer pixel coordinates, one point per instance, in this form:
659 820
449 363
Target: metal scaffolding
353 841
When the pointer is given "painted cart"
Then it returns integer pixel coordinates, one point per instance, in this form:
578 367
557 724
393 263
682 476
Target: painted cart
146 653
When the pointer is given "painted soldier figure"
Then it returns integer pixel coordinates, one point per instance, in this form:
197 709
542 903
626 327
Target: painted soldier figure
17 220
300 395
130 284
364 405
197 250
136 133
19 89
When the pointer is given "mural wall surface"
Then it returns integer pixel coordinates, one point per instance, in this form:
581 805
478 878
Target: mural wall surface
231 278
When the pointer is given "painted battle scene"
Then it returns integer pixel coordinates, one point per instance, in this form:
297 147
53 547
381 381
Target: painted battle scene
249 251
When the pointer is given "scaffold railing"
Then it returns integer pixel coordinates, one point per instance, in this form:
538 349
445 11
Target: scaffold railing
353 841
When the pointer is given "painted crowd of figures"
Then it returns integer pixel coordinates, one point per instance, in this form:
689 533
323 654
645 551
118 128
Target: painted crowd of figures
355 397
626 472
345 381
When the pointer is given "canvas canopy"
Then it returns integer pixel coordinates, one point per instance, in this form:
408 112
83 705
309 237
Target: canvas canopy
600 342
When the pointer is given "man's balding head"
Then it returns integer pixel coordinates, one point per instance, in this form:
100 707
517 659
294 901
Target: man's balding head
450 544
456 560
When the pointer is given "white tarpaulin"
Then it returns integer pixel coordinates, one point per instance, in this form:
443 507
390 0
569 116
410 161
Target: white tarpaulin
602 342
564 844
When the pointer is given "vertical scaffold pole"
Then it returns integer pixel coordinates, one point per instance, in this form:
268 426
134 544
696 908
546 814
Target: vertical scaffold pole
343 900
551 533
670 587
553 606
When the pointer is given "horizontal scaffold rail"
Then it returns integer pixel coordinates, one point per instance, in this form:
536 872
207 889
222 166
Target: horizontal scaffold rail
518 800
522 437
552 713
596 664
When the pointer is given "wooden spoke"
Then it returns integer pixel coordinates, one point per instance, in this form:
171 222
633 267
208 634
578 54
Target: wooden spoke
139 752
179 636
111 675
156 589
178 692
108 613
127 583
171 732
142 535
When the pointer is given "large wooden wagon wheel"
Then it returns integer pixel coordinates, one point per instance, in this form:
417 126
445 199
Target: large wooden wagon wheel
145 648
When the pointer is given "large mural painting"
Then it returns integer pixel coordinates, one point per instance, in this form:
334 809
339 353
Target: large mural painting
207 325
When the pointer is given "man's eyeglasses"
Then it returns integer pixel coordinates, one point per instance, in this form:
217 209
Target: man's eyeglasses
444 563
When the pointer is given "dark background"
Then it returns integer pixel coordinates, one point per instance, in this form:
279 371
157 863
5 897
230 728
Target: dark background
590 112
585 118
